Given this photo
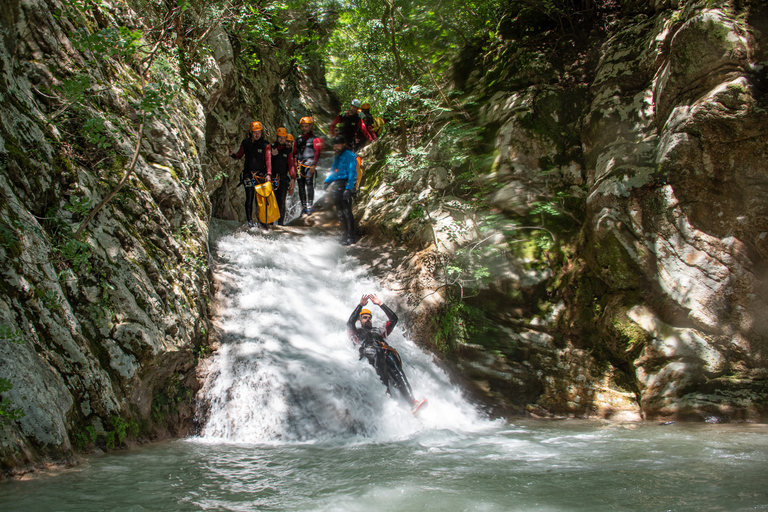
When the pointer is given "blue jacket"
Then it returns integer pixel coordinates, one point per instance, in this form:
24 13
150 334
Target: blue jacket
344 167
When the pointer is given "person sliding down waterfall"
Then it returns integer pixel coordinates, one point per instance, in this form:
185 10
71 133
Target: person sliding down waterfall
380 355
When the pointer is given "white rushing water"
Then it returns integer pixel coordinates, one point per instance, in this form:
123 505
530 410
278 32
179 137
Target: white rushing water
296 422
285 370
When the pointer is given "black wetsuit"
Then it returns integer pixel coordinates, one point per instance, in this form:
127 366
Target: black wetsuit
280 170
381 356
307 154
256 163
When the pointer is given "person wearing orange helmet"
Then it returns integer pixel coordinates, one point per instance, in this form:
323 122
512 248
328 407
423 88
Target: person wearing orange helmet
307 151
284 169
373 346
257 166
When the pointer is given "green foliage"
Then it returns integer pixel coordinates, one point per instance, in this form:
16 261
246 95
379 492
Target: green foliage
7 412
79 205
84 438
75 87
166 401
417 213
69 251
11 335
120 42
156 97
95 132
460 323
361 61
49 298
111 439
77 254
9 240
121 427
406 166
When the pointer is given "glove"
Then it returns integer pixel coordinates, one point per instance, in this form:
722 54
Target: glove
326 185
347 194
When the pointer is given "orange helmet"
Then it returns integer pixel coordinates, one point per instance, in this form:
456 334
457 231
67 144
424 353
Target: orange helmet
307 120
366 106
256 126
289 137
365 312
282 132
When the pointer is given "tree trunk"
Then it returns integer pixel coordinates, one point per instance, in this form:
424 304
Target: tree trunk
389 17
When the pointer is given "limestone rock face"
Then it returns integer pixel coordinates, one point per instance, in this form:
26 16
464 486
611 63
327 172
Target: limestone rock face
99 336
681 196
656 307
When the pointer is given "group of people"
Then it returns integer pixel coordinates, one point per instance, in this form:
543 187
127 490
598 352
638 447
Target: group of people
286 162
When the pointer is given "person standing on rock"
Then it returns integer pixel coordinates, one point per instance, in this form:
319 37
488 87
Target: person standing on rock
343 180
365 113
307 151
352 127
257 165
284 170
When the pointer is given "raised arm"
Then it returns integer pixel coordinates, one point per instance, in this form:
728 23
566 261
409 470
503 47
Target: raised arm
391 316
351 328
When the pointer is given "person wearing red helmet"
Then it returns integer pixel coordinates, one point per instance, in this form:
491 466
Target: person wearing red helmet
256 166
372 346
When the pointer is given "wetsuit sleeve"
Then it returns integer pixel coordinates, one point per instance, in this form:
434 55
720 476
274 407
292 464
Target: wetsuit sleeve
392 319
333 125
365 131
292 163
268 158
351 329
317 145
239 154
351 171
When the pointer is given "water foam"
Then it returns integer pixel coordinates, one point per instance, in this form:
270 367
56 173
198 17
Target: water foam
285 371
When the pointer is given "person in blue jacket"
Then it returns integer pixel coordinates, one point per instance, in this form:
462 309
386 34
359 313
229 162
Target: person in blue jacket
342 182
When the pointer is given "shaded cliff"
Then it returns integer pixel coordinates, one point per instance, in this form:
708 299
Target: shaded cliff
100 334
607 255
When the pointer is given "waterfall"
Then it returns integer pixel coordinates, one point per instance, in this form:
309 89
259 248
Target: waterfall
285 370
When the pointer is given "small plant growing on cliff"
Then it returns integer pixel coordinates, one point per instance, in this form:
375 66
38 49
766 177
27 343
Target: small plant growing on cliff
8 413
49 298
95 132
122 427
84 438
7 333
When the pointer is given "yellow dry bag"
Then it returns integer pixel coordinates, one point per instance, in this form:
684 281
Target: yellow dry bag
267 202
